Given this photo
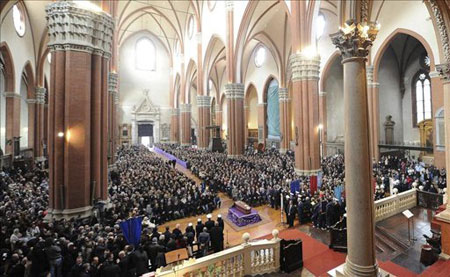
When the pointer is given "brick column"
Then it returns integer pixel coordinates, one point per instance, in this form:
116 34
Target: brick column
305 77
32 125
12 120
40 121
204 110
80 41
235 111
323 120
246 114
185 115
285 128
218 110
113 89
175 126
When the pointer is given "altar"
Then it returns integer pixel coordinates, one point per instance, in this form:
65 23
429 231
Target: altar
242 215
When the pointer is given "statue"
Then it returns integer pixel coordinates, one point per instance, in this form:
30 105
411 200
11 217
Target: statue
389 130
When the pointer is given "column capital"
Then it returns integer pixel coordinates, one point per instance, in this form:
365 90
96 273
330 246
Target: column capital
229 5
304 67
175 112
203 101
441 26
10 94
185 108
72 27
217 109
283 95
322 93
234 91
355 38
40 95
113 82
444 71
31 101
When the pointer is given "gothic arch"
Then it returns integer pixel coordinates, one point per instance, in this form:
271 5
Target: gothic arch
326 69
9 67
387 42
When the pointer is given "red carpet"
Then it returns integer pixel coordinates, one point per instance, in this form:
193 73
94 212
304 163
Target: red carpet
438 269
317 257
395 269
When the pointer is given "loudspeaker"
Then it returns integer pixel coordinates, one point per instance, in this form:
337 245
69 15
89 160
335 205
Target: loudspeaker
291 255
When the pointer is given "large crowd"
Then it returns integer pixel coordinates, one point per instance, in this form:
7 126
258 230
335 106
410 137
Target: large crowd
143 185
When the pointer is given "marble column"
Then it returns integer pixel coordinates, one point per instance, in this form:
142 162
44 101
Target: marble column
185 114
204 110
353 44
235 111
323 121
113 89
305 77
40 120
285 127
175 126
78 108
444 216
374 113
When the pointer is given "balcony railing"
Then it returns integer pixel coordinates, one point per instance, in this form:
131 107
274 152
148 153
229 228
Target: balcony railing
249 258
395 204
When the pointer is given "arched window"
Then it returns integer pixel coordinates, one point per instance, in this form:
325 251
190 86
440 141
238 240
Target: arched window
145 54
421 97
260 56
19 20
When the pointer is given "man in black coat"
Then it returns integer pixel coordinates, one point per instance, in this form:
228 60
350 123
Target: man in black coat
109 268
209 223
152 252
220 221
140 260
199 228
216 234
290 213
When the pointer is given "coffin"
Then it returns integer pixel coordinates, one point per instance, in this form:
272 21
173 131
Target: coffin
242 207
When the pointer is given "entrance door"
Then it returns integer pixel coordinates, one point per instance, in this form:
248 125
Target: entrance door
145 134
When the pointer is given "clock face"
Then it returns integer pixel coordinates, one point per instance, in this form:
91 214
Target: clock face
19 20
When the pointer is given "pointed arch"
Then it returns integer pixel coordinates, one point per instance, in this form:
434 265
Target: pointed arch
8 67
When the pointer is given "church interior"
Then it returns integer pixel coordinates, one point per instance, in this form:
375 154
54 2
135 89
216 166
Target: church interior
224 138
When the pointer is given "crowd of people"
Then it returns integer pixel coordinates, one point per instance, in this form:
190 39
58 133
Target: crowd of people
143 185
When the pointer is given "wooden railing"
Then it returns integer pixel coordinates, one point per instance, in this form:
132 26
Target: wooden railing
249 258
395 204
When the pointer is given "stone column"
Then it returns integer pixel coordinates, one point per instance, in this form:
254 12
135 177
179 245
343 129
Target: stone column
235 100
283 98
305 77
80 41
204 110
444 216
323 120
40 120
185 114
113 89
353 44
374 114
175 126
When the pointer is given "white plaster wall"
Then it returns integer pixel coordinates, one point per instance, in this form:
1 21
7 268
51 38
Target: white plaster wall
411 15
2 111
23 115
213 24
259 75
334 88
22 48
194 109
390 101
133 82
410 134
324 46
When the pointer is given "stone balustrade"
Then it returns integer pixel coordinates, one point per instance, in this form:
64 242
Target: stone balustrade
249 258
395 204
